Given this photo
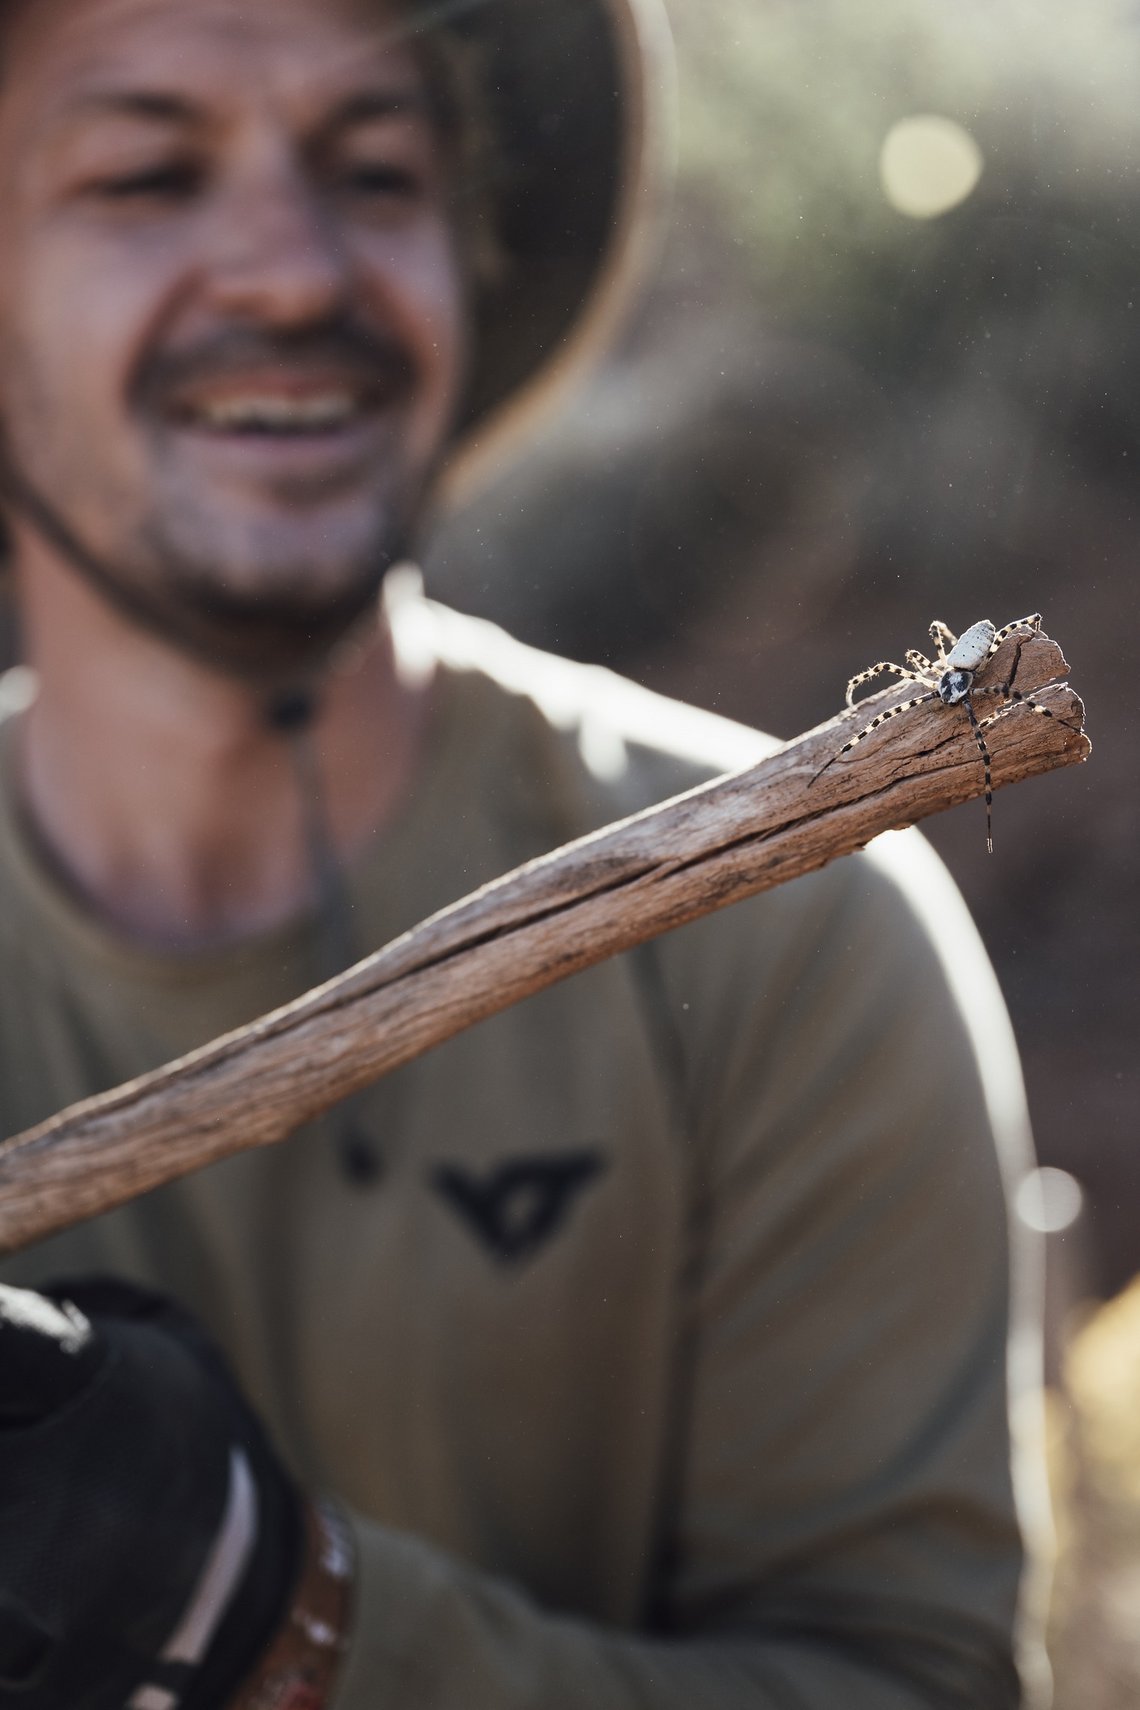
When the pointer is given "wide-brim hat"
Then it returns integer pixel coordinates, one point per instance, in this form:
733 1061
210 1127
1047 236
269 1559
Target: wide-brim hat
578 94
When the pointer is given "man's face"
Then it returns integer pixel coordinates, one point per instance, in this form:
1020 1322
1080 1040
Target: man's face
231 316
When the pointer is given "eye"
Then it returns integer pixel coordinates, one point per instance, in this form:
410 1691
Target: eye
381 179
171 182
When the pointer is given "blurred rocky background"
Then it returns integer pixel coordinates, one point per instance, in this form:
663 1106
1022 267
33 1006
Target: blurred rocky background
888 370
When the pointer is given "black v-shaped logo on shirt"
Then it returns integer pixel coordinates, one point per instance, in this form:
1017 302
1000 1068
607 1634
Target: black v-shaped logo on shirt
515 1207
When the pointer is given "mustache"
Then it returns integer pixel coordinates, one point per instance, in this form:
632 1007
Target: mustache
380 362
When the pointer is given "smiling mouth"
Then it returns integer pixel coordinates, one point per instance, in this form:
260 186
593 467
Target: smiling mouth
276 415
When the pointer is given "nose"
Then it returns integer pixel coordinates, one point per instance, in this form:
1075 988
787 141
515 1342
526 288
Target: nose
275 255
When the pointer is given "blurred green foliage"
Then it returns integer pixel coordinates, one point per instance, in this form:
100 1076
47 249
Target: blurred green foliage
785 104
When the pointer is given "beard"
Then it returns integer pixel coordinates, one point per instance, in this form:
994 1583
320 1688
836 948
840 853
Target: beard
262 636
262 591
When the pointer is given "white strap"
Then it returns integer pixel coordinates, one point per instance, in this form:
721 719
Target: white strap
221 1575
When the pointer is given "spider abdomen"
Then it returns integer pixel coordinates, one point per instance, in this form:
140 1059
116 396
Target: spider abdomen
970 649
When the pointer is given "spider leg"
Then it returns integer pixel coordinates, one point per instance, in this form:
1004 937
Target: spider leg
874 724
1033 622
877 671
1012 698
918 661
985 754
942 637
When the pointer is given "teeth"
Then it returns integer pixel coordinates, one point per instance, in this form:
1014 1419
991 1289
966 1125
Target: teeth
329 409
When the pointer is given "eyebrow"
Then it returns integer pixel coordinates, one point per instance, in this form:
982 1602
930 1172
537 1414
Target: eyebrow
139 103
163 108
379 104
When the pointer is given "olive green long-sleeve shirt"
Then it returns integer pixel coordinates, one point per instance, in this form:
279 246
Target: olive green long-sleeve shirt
663 1362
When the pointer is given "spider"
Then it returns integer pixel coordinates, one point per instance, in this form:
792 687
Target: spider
949 677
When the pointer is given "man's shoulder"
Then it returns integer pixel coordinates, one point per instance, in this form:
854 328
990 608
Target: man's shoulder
633 745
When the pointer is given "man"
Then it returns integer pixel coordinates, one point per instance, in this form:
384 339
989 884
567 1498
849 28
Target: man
650 1338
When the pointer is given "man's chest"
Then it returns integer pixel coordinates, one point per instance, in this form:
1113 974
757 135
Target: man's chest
473 1339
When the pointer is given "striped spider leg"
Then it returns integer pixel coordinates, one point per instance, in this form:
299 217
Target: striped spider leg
916 670
1013 698
949 677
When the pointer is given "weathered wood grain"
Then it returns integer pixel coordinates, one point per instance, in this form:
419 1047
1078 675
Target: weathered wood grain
595 897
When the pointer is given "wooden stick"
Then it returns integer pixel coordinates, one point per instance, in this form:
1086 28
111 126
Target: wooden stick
794 812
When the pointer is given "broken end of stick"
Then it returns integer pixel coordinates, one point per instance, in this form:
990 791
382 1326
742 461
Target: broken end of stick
1034 667
928 758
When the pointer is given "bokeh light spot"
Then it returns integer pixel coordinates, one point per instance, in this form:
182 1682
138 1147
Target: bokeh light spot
927 165
1049 1200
